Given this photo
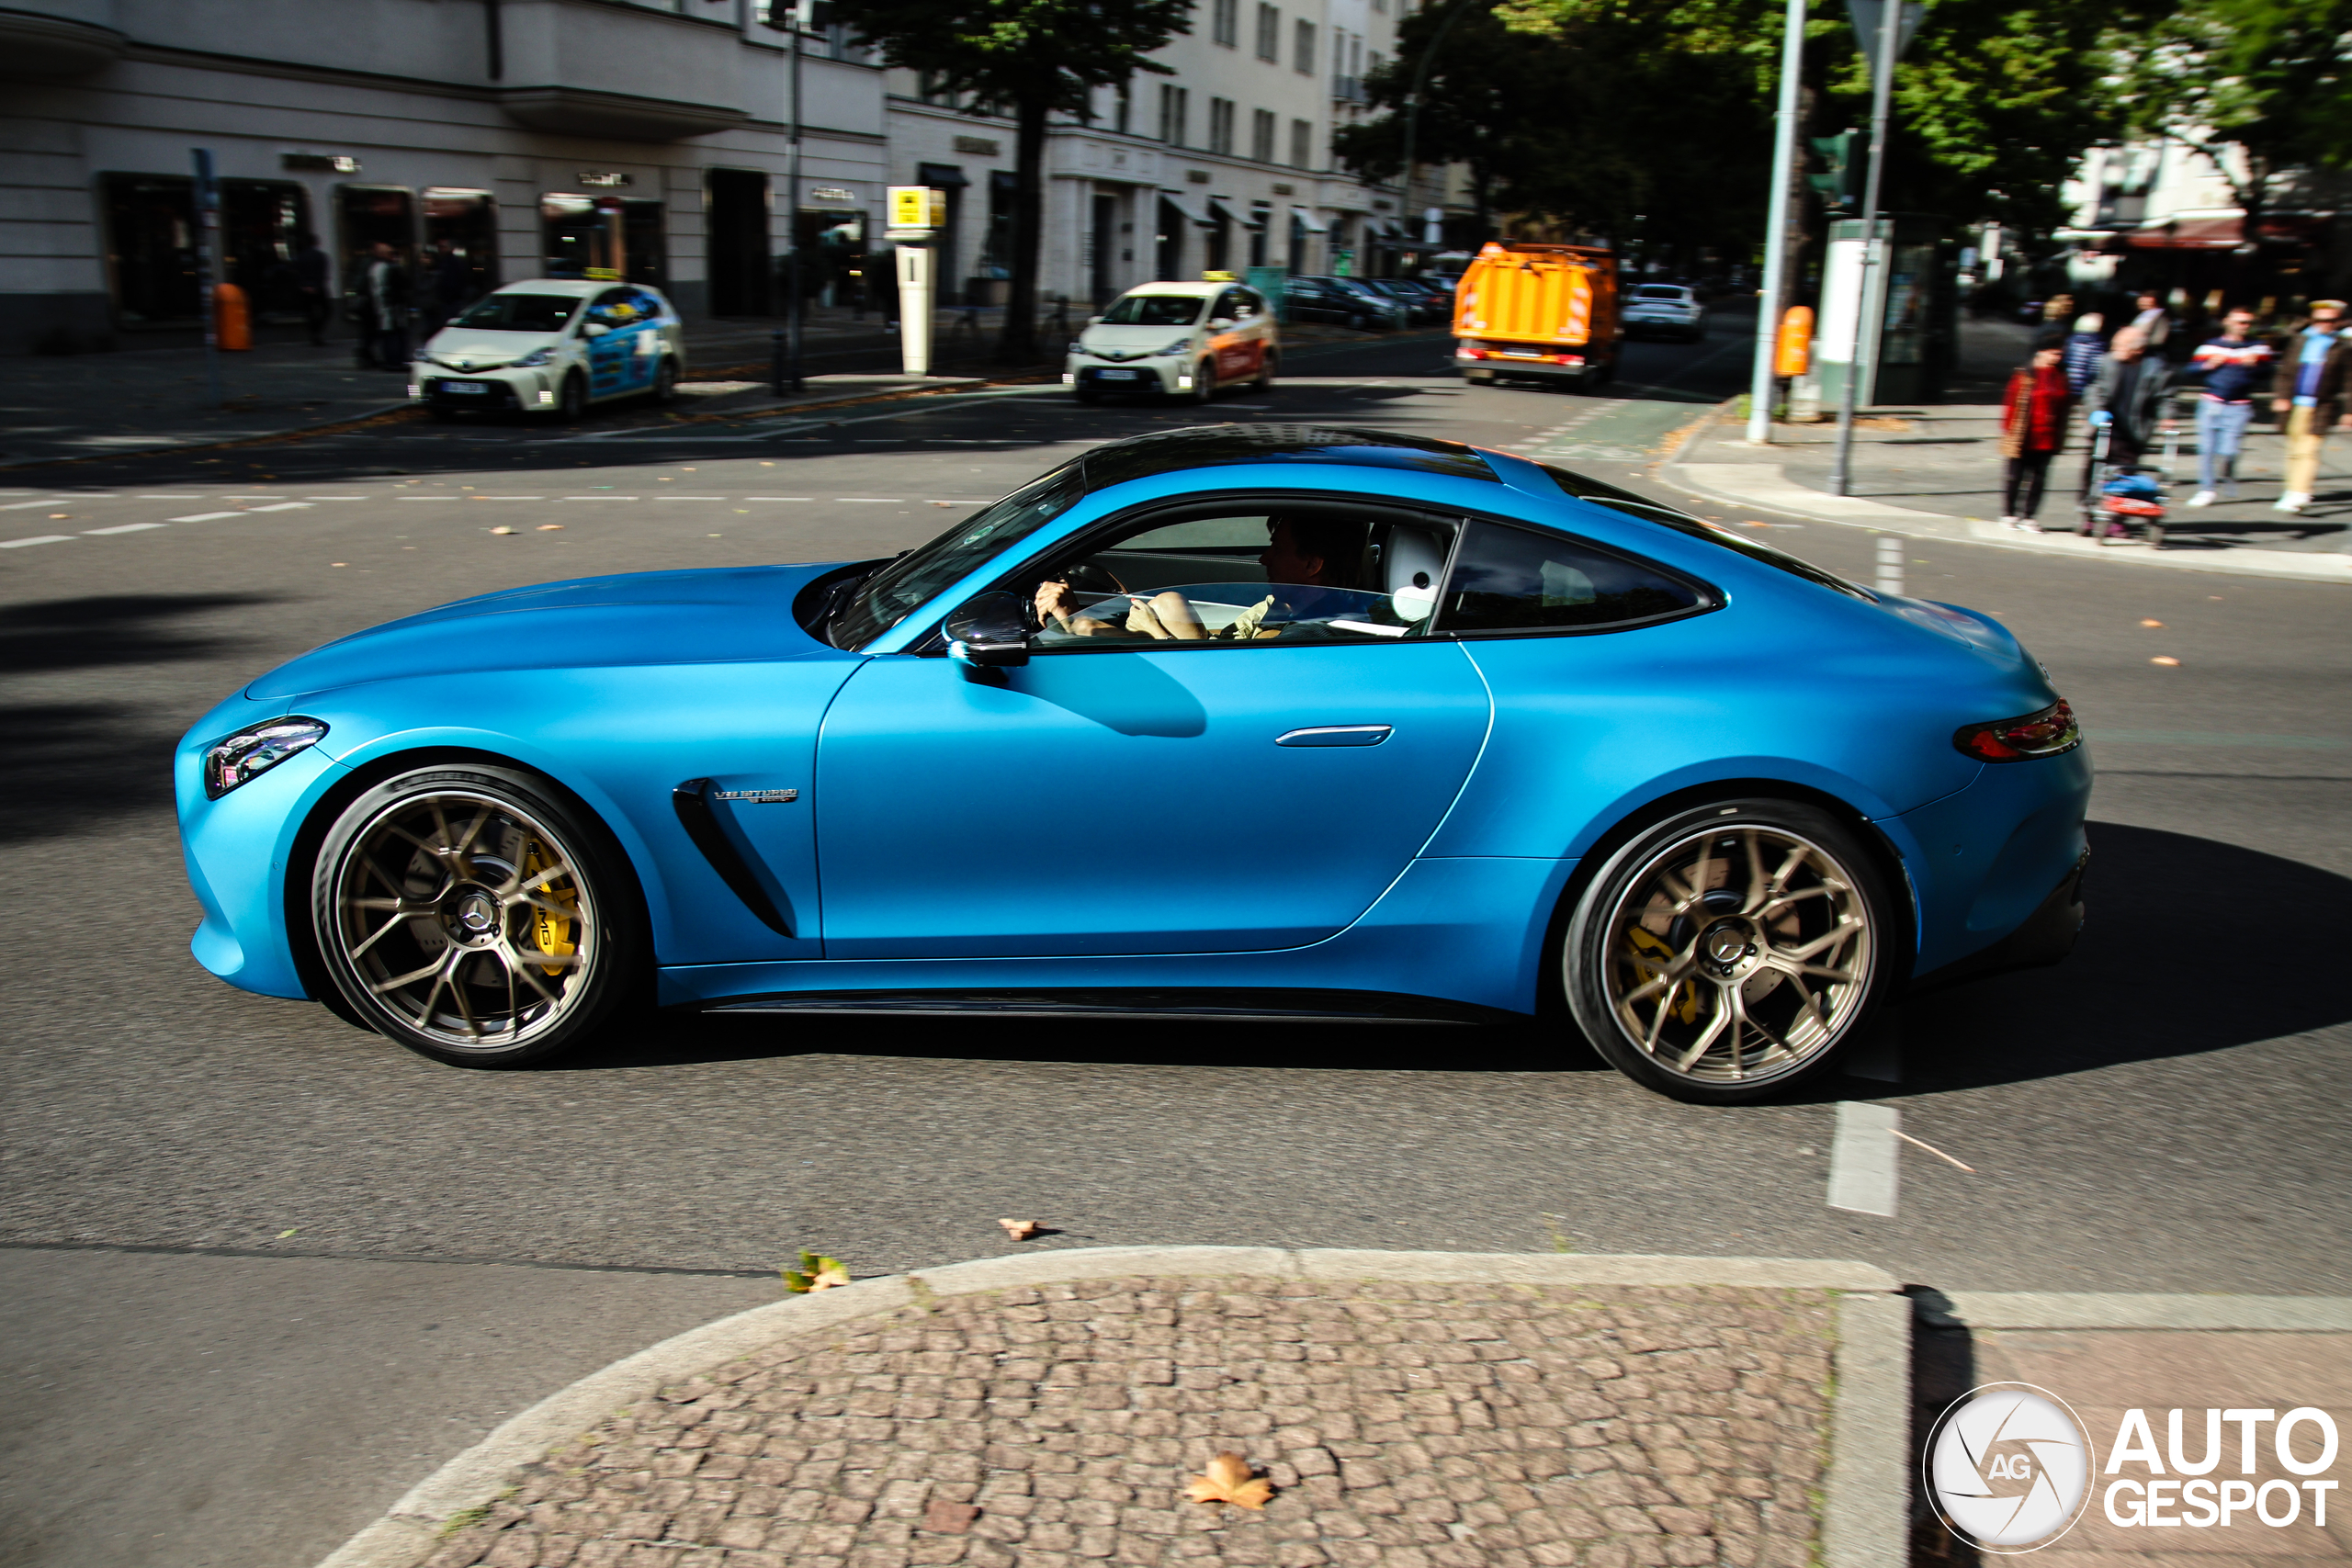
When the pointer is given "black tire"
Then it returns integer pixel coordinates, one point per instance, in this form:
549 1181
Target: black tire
571 402
1269 362
442 412
665 382
1701 894
1355 323
1204 383
1086 392
473 916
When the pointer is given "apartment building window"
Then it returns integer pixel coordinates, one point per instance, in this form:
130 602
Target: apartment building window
1270 32
1302 144
1175 105
1124 110
1225 22
1261 135
1302 48
1221 126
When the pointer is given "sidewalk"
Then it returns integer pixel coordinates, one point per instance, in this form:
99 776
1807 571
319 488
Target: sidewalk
1934 470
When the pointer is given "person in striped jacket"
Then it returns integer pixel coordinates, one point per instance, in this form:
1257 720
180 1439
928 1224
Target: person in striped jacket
2232 367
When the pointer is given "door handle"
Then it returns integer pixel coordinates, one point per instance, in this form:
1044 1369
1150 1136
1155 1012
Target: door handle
1337 735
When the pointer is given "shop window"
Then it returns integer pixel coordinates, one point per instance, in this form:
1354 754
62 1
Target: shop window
603 236
151 247
262 225
467 219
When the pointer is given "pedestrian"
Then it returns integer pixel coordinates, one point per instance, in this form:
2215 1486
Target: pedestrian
2055 310
310 287
2311 370
385 297
2126 399
2230 365
448 279
2083 350
2034 412
2150 319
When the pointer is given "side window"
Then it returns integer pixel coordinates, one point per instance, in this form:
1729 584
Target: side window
612 309
1283 571
1231 305
1508 579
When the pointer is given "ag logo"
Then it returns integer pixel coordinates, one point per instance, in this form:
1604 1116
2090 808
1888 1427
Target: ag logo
2009 1467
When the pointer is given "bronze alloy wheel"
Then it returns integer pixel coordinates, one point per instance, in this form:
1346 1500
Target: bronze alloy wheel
1729 952
464 917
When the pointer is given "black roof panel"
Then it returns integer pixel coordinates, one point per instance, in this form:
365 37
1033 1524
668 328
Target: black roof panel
1209 446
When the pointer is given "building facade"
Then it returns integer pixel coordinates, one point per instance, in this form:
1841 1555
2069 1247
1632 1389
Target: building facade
646 139
2160 214
1223 164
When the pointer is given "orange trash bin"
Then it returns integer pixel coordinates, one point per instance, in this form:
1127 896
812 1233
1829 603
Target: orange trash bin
232 321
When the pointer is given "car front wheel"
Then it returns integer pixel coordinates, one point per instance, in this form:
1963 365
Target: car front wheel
666 381
471 916
1729 952
1204 383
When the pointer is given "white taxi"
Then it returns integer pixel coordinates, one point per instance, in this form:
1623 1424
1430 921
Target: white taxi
1179 340
552 345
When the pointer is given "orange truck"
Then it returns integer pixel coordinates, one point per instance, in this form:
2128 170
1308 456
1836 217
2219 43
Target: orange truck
1547 312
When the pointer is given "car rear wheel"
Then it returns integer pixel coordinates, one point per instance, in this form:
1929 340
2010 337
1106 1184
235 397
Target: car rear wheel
666 381
571 402
1730 951
474 918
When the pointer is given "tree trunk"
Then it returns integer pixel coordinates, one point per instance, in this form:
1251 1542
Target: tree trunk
1018 346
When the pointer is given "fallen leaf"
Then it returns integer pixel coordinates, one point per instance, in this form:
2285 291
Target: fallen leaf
549 528
1019 1230
283 1234
502 528
943 1517
1229 1480
2164 658
816 1273
338 563
2145 622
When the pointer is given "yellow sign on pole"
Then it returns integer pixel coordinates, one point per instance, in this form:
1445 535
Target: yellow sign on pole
918 207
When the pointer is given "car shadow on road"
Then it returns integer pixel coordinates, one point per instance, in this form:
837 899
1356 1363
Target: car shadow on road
2189 945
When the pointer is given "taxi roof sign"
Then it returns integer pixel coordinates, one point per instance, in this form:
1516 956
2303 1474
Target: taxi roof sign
918 207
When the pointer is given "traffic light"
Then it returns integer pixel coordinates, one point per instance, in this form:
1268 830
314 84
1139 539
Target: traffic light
1839 179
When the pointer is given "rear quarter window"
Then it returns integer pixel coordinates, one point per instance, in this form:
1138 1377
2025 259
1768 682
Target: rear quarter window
1625 501
1523 580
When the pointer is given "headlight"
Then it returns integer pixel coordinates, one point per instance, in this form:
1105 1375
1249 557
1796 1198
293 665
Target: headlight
256 751
540 357
1181 346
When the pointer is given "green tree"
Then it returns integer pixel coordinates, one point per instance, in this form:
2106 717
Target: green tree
1036 58
2261 88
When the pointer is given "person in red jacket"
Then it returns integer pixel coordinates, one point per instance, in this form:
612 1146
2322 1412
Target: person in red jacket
2034 412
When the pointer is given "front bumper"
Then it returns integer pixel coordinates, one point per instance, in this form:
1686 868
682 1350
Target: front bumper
238 852
1158 374
511 390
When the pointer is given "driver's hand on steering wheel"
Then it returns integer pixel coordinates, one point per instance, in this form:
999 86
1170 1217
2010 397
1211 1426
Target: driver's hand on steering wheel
1055 603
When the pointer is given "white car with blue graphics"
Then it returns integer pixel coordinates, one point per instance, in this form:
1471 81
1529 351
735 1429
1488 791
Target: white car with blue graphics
552 345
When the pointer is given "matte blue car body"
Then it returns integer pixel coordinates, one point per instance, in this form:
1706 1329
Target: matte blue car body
945 840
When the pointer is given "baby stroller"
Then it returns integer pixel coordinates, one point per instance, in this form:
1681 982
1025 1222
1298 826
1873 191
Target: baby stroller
2122 494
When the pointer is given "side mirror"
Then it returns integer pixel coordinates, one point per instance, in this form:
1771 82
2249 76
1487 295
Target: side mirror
989 629
1093 320
594 329
1219 323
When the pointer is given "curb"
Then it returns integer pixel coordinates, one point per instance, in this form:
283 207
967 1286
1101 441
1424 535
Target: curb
1865 1519
2006 1309
1778 493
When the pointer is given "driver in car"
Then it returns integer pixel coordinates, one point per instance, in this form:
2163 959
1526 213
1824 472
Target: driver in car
1304 557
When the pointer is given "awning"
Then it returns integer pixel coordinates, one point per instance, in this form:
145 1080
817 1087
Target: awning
1308 221
1223 207
1176 199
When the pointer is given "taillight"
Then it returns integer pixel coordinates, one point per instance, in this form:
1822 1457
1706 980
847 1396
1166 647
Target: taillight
2043 734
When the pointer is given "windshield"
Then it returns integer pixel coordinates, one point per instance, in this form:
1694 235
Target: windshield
521 313
1649 510
1657 291
1155 310
892 593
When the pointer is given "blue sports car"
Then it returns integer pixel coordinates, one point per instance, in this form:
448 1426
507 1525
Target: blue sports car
1267 720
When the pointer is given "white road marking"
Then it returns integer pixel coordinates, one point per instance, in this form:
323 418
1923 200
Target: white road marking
206 516
877 500
1862 1157
168 497
22 505
506 497
338 498
692 498
569 498
779 498
36 539
286 506
126 528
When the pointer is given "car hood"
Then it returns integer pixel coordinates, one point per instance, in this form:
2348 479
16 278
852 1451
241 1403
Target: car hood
1131 338
715 614
473 342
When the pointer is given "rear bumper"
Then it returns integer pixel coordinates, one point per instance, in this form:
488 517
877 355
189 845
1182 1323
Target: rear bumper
2045 937
1553 364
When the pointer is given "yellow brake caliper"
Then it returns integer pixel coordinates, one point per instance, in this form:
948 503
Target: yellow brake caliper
551 930
1643 941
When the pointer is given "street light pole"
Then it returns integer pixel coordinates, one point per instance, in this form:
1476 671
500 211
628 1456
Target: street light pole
1776 231
1882 91
801 12
1413 99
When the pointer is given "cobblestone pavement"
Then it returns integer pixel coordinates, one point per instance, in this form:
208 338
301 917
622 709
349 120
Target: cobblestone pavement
1401 1425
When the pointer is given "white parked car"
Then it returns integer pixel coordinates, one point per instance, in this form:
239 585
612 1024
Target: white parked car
553 345
1668 310
1181 340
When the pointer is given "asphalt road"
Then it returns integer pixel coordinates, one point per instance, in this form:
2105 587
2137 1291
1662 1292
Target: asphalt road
264 1271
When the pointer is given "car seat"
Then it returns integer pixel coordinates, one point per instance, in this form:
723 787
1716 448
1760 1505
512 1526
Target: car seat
1416 564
